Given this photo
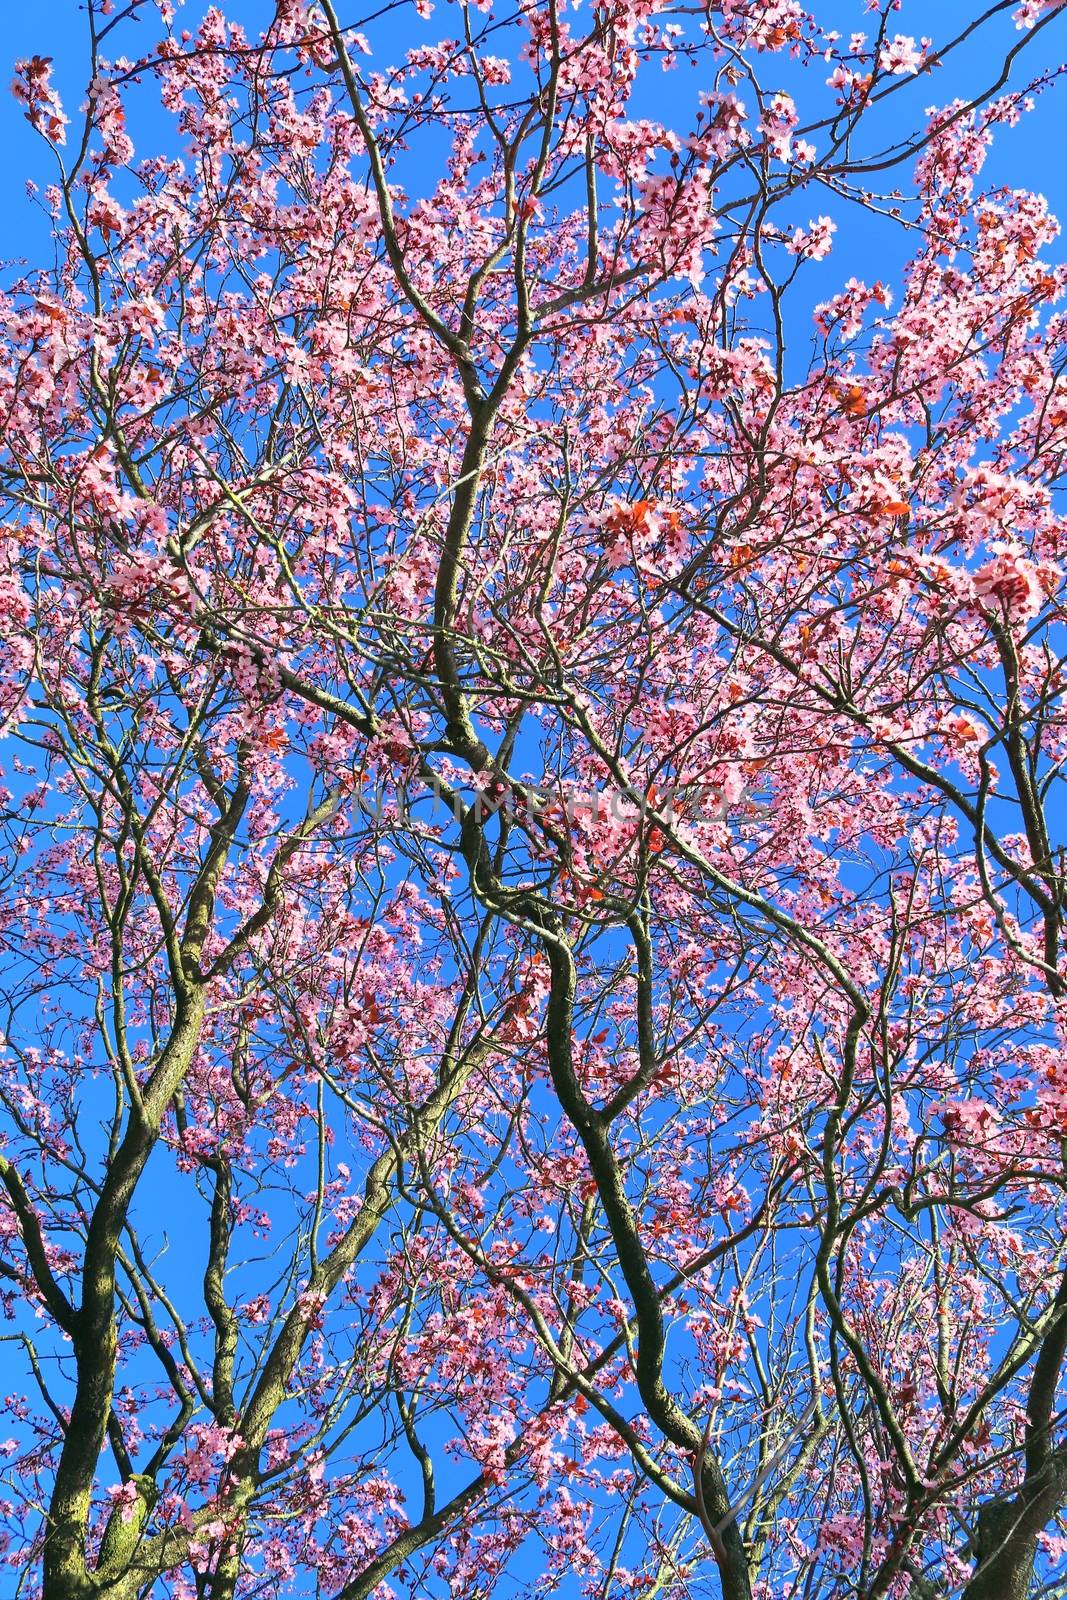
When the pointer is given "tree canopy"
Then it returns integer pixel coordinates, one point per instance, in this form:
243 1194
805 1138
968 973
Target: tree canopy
532 876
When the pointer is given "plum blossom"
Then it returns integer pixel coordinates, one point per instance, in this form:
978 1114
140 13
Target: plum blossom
779 118
1029 14
725 129
1012 582
33 87
124 1498
901 54
816 242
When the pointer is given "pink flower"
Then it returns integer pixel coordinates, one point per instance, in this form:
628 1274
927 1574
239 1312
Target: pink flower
33 87
816 243
1011 582
277 1560
900 55
125 1497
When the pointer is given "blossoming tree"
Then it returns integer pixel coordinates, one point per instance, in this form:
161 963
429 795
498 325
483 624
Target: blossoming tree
533 881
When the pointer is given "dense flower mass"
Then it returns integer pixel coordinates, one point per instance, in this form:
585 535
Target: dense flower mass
534 890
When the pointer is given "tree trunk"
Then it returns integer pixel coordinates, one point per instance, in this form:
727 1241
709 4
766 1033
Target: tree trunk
1007 1541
